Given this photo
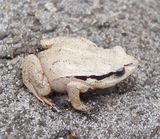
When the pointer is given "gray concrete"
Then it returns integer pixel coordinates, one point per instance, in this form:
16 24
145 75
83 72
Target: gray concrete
131 110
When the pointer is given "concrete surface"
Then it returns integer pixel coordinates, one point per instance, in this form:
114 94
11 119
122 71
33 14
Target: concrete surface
130 110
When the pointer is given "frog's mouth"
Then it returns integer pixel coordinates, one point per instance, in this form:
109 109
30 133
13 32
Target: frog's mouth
120 72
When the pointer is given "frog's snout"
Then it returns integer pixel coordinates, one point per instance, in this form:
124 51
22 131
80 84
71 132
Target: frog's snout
131 67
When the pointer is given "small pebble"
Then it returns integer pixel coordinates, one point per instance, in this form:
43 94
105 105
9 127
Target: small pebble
121 16
35 28
16 40
15 60
93 103
10 67
155 28
50 7
0 87
49 27
3 35
124 34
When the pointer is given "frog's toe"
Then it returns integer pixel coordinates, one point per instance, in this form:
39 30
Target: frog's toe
82 107
47 101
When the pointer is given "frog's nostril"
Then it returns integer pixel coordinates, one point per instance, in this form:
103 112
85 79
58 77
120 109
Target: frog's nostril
120 72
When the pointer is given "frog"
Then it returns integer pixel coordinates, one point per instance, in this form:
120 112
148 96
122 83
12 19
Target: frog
75 65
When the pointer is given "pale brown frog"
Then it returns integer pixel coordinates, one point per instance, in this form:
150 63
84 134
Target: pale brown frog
74 65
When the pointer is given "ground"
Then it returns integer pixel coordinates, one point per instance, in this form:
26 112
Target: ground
130 110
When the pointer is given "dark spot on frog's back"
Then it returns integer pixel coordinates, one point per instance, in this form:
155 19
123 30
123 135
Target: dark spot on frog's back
55 62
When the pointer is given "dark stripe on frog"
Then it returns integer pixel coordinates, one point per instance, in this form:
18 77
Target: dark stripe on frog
118 73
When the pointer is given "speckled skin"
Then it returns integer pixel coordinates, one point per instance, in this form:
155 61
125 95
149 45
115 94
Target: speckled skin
67 57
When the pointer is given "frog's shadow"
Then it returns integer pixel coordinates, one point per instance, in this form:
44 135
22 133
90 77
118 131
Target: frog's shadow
121 88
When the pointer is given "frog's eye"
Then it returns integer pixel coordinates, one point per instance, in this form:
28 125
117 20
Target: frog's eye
120 72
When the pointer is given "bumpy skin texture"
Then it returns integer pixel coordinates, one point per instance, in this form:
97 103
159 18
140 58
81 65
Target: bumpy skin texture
67 58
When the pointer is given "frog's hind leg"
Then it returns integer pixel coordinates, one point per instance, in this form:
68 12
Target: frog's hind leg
35 80
74 89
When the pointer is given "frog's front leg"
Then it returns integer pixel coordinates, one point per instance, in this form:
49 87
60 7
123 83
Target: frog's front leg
74 89
46 44
35 80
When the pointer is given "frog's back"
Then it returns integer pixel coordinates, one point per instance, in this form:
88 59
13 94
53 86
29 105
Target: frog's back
79 59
